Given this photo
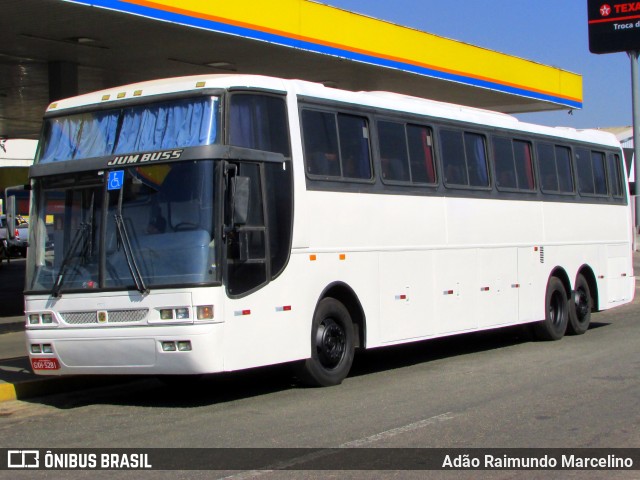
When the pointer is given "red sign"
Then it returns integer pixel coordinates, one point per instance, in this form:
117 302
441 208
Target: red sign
614 26
45 364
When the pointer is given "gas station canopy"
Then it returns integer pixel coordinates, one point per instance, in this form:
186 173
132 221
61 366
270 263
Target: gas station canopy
51 49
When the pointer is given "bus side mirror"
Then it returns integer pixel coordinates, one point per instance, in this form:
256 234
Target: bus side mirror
11 217
240 199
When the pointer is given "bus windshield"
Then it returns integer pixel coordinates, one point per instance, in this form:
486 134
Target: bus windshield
139 227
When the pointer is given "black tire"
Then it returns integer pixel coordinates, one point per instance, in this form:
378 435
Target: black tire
332 346
554 325
580 308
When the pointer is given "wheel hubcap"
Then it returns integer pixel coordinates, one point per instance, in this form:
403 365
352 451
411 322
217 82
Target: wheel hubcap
330 343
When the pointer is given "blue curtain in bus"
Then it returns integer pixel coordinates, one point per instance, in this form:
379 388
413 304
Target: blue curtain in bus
476 160
98 135
186 123
247 122
80 136
61 139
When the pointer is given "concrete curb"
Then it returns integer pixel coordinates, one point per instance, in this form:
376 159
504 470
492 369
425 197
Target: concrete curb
41 387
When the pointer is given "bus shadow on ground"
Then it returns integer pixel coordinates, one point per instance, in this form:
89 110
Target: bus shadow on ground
193 392
406 355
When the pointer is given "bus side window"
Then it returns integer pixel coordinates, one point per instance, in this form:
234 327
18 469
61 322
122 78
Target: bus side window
524 165
585 172
393 151
455 171
259 122
547 166
599 173
504 163
320 137
354 146
476 154
464 156
421 157
563 163
614 175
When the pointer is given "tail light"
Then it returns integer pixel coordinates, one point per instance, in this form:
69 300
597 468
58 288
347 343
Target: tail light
17 234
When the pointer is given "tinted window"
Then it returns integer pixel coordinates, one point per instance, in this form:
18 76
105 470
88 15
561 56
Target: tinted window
453 160
247 248
615 175
555 168
354 146
476 160
599 174
504 163
336 145
563 163
394 157
547 166
524 165
464 158
406 153
320 136
279 198
421 156
259 122
585 171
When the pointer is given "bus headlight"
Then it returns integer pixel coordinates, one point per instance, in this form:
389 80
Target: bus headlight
204 312
43 319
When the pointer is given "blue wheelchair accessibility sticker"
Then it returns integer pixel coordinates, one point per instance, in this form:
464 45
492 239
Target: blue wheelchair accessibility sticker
115 180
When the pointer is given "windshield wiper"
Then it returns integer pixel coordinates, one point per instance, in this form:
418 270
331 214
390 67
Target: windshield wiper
80 234
123 239
85 231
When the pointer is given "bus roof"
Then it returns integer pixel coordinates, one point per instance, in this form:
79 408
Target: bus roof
377 99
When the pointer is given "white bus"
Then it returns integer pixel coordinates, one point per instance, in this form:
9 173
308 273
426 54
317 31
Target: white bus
217 223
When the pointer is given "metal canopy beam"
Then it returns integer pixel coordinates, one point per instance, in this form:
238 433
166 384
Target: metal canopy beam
135 40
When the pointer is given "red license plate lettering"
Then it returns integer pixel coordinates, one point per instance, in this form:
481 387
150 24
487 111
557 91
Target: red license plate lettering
45 364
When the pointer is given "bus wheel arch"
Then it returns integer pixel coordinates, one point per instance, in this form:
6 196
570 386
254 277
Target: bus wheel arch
336 331
345 295
583 301
557 303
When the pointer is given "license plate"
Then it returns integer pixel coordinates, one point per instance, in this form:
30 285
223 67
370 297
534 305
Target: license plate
45 364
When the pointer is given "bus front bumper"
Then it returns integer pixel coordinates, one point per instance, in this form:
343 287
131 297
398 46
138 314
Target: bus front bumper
149 350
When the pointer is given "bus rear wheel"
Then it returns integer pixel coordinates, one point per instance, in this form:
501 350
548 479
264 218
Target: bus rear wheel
580 309
332 345
556 318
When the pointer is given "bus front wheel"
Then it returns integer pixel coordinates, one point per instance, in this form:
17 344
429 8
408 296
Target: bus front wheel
556 318
332 345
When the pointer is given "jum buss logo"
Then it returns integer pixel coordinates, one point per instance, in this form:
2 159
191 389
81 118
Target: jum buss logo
23 459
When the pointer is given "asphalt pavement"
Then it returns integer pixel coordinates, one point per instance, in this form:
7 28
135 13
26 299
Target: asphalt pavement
17 380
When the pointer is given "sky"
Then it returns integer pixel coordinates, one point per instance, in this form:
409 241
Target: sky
552 32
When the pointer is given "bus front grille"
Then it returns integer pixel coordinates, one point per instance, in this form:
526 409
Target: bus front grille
113 316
